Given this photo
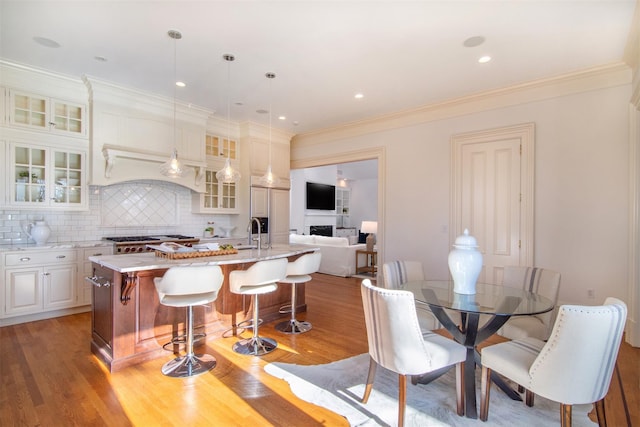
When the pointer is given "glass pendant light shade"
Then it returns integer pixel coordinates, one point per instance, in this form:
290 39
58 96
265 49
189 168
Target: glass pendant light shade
269 179
228 174
173 168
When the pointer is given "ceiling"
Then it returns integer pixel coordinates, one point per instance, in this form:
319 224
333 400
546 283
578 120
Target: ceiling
399 54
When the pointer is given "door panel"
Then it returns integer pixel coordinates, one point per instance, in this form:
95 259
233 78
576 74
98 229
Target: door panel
493 197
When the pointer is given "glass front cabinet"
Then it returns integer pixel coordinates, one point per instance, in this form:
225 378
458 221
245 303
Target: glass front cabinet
47 177
37 112
219 197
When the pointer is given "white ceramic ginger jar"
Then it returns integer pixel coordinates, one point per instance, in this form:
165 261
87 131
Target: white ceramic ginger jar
465 264
40 232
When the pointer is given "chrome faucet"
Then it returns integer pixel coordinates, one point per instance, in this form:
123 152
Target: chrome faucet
259 238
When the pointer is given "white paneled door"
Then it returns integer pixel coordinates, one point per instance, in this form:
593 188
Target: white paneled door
493 194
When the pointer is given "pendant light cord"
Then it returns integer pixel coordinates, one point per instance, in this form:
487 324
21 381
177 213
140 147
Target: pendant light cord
228 149
175 79
270 108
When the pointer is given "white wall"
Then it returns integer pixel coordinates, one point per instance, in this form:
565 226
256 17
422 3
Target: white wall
364 201
581 187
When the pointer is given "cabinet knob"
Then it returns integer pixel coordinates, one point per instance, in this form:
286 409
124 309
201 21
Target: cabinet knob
46 273
25 259
61 256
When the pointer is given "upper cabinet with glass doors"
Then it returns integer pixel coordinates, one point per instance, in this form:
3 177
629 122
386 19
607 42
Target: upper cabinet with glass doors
219 197
31 111
221 147
47 177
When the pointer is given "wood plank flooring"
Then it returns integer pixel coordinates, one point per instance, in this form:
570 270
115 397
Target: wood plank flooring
50 378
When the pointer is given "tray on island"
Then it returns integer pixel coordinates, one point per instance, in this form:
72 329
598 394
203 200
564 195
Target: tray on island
195 254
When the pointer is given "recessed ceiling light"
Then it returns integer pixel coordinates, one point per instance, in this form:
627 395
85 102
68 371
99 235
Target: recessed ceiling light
484 59
358 96
181 84
43 41
282 118
473 41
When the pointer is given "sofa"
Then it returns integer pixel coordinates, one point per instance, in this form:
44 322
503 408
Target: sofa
338 255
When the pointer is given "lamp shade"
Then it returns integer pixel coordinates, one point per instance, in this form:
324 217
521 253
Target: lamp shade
369 227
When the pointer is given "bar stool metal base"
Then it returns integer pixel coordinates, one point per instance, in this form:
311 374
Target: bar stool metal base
293 326
255 346
189 365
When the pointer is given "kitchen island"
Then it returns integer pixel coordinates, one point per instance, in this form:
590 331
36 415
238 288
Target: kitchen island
130 326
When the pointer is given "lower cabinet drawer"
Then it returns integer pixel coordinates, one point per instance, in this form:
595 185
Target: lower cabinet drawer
39 258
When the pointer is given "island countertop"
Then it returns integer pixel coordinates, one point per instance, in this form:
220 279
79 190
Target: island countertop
149 261
129 325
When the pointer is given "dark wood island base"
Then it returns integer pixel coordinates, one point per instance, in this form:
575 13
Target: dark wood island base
130 326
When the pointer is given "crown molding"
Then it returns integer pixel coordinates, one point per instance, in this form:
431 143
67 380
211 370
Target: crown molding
580 81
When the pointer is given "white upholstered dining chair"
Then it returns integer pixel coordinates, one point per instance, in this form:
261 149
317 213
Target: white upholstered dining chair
541 281
397 343
395 273
573 367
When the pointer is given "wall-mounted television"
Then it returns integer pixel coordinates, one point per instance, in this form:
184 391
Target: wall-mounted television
321 196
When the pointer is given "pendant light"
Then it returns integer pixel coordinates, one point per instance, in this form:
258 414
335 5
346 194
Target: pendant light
269 179
173 168
228 174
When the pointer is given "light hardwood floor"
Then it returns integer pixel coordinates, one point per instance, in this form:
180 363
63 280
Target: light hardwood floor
50 378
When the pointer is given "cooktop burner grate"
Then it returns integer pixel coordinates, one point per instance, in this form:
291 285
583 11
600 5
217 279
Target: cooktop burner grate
119 239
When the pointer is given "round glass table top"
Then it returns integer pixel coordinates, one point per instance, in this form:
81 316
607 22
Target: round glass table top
488 299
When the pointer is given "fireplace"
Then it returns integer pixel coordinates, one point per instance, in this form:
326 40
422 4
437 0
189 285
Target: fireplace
321 230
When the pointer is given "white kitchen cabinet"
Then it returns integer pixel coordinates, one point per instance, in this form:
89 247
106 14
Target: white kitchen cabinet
274 204
43 176
259 202
39 281
280 159
86 270
279 216
38 112
219 147
22 291
218 197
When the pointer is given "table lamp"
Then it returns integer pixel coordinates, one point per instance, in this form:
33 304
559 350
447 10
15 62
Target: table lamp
371 228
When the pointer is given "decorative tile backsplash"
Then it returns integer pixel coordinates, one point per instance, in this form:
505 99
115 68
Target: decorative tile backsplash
138 207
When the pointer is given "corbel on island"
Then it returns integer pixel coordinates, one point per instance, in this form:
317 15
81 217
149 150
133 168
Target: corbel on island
130 326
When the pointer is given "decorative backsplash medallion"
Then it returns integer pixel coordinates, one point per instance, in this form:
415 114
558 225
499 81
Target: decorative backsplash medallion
139 204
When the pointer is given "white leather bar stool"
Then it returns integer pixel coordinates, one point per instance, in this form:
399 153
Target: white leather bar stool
186 287
298 271
260 278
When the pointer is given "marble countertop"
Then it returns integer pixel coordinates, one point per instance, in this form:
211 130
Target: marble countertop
28 245
25 246
149 261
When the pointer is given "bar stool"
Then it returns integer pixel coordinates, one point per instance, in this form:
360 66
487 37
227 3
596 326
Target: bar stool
260 278
298 271
186 287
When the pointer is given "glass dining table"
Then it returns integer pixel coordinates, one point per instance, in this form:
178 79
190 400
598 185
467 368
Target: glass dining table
495 303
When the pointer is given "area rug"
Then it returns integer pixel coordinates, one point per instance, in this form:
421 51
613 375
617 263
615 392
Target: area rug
339 386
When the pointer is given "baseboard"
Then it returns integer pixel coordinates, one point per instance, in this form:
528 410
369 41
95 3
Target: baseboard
43 315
